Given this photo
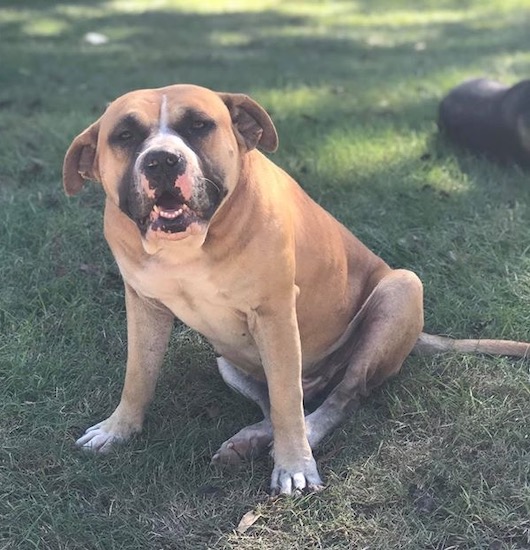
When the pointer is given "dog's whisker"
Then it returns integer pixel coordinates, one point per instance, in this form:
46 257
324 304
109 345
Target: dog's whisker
211 183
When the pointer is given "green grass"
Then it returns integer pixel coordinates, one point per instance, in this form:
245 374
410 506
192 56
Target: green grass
439 457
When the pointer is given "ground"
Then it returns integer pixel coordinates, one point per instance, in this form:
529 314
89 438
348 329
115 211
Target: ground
437 458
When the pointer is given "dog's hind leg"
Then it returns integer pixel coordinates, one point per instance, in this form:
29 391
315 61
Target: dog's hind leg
382 335
252 440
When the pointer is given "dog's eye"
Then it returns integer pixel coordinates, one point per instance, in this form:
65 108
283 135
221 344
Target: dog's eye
198 125
125 135
195 127
128 133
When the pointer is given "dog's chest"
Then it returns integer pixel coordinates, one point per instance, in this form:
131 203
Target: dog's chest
201 299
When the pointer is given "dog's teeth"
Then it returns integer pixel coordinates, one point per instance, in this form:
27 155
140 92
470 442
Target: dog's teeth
170 215
156 208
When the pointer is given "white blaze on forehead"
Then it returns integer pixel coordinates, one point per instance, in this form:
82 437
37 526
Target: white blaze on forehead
163 115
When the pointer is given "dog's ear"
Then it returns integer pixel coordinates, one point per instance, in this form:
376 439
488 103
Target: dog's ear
515 113
523 131
515 102
252 124
80 160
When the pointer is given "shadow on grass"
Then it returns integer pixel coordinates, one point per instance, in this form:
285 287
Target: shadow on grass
242 50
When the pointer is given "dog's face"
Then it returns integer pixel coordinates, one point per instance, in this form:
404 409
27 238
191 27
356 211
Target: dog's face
169 156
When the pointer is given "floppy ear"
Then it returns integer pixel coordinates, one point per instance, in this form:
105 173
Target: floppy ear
523 131
515 102
252 124
79 161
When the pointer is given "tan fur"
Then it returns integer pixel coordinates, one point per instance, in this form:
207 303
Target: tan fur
283 291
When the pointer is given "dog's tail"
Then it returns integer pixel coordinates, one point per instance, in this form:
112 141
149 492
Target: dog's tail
429 344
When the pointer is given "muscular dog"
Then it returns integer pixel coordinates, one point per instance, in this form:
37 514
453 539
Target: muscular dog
491 118
205 228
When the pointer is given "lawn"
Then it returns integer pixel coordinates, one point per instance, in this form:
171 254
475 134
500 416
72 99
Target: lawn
436 459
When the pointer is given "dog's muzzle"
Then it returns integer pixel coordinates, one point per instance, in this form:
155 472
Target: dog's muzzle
162 168
171 197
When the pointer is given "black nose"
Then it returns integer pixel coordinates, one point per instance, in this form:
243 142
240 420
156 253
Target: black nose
162 167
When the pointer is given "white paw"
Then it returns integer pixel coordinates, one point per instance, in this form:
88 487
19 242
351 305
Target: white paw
286 481
97 439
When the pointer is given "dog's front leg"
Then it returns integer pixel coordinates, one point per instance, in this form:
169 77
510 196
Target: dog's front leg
148 329
274 327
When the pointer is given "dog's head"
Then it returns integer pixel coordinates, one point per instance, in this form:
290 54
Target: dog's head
169 156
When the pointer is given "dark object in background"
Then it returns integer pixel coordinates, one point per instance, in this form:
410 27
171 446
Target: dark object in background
488 117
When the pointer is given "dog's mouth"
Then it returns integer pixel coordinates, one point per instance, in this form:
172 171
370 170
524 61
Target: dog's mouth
170 214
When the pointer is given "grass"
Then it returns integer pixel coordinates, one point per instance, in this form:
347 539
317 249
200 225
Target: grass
439 457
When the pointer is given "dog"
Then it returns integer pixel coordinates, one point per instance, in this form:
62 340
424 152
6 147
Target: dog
487 117
204 227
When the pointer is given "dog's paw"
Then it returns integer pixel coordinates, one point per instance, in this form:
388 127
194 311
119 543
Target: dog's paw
248 443
296 480
99 439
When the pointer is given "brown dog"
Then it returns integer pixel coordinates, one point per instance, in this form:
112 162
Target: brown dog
206 228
